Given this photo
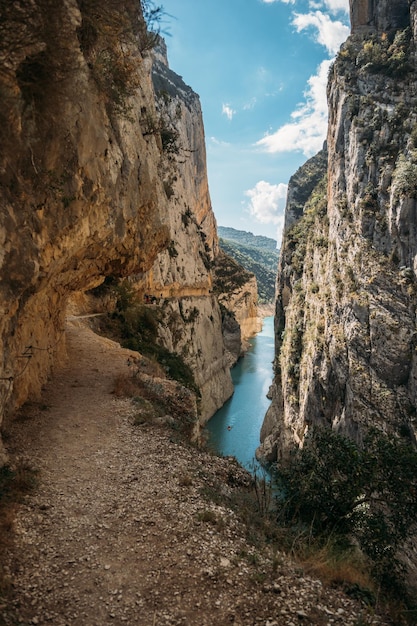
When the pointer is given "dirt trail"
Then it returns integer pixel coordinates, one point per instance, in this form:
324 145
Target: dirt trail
118 531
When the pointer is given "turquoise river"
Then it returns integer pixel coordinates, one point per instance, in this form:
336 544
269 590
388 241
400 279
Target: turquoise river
234 430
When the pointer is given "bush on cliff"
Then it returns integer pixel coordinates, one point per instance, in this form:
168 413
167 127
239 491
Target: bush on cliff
364 496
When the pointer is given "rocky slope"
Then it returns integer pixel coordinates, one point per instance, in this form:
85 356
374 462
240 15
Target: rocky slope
181 276
130 525
102 174
345 324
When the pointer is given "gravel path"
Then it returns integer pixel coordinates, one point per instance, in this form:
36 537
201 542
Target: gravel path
118 531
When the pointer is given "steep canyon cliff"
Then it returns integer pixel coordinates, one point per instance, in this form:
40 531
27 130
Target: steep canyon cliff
103 174
346 305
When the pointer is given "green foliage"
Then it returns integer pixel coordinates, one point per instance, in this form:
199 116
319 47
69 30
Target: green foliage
367 494
413 136
244 238
154 16
190 316
261 261
298 236
380 55
405 177
108 36
304 182
161 126
135 325
187 217
169 138
228 274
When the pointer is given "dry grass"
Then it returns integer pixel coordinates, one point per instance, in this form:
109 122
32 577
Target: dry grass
129 385
346 569
125 387
157 398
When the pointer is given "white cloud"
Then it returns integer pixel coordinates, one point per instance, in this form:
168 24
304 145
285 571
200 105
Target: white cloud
219 142
330 34
250 105
333 5
309 128
228 111
267 204
337 5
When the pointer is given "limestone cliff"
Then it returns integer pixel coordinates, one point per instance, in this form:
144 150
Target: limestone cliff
378 15
181 276
345 323
95 181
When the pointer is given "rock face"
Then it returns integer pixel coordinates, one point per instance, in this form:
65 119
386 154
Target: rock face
102 173
345 319
181 275
79 180
379 15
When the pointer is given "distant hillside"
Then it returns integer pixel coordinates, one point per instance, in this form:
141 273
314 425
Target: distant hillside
247 239
256 254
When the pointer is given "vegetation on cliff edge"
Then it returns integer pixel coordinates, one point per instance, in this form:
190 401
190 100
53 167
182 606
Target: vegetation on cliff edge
258 257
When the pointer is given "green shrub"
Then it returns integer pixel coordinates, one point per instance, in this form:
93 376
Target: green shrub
154 16
380 55
363 494
136 327
405 177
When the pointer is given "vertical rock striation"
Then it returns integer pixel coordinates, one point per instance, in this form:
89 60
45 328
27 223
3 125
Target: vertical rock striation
379 15
345 324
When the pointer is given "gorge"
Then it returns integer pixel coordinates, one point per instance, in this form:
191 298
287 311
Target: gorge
106 212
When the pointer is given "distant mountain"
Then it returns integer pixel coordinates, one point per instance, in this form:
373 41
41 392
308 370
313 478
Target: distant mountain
257 254
247 239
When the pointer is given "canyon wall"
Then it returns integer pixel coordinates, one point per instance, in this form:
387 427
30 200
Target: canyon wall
181 275
346 305
79 180
379 15
102 174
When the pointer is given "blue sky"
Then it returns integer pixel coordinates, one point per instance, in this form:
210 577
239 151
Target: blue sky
260 68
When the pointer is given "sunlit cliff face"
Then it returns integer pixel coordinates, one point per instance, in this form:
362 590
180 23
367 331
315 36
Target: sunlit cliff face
103 174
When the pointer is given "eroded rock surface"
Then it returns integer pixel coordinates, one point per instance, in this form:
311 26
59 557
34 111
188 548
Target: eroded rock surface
103 174
346 304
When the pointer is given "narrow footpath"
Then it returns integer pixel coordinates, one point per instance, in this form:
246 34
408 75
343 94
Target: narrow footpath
119 529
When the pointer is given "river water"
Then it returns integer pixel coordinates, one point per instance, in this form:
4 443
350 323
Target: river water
234 430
